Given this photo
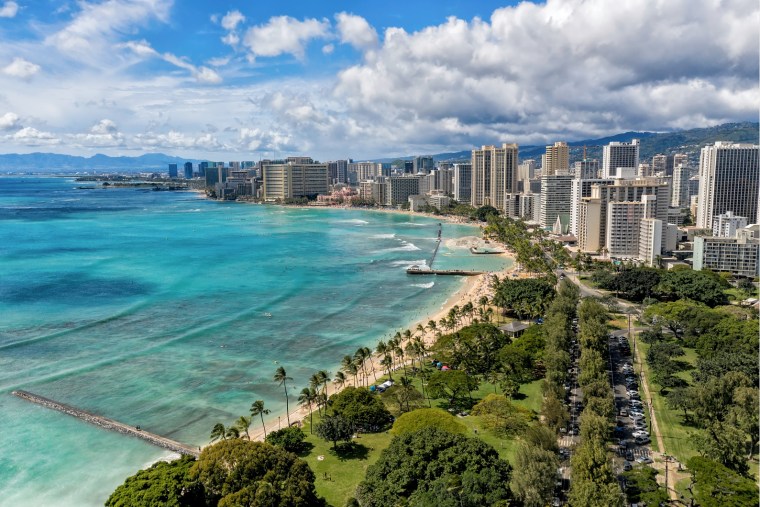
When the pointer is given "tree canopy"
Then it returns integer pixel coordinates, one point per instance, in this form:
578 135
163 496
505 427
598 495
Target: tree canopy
164 483
434 467
427 418
362 409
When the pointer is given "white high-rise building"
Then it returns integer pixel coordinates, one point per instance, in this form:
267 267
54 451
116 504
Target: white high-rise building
494 174
728 181
681 196
726 225
580 188
737 255
650 240
620 155
555 198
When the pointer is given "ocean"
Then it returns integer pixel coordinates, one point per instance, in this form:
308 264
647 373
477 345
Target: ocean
172 312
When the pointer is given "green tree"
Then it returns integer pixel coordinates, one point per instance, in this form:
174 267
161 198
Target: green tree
218 432
483 212
454 385
534 475
164 483
434 467
281 377
700 286
361 409
554 412
257 474
242 424
501 415
307 398
421 418
593 481
715 485
642 487
257 409
334 428
290 438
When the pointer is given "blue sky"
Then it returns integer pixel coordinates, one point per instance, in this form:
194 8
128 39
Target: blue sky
361 79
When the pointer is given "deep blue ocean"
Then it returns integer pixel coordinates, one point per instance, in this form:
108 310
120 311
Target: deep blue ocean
168 311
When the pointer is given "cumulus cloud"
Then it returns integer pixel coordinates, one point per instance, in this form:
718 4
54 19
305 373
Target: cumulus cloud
565 68
284 35
356 31
258 140
29 136
174 139
104 133
21 68
9 121
8 9
232 19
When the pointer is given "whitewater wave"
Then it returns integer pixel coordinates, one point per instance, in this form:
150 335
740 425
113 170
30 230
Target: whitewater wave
421 263
406 247
423 285
384 236
415 224
355 221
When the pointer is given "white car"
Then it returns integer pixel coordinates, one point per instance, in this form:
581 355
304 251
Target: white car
645 460
640 433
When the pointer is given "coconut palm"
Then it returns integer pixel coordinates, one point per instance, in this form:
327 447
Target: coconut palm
353 370
233 432
346 364
340 379
399 351
407 335
360 359
420 329
307 397
388 363
368 355
257 409
218 432
314 382
242 424
324 377
431 326
405 388
282 377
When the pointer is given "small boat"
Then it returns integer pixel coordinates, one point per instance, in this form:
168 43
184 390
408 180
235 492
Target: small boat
268 315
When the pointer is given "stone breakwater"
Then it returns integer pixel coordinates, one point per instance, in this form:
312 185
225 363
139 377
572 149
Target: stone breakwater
108 424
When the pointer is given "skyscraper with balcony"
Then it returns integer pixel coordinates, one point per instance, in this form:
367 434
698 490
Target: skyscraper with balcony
728 181
556 160
494 174
172 170
463 182
188 170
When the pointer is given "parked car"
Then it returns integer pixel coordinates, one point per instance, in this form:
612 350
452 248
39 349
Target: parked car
639 434
644 460
623 412
627 465
643 440
629 455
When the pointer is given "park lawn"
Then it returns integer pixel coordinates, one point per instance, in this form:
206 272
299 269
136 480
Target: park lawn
506 447
676 436
344 471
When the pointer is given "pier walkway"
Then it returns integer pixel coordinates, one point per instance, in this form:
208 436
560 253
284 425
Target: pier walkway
437 246
415 270
109 424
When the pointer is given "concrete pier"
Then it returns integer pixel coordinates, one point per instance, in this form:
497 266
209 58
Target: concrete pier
109 424
414 270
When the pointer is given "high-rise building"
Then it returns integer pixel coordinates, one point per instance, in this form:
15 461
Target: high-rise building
368 170
202 166
172 170
620 155
728 181
663 165
463 182
586 169
494 173
681 186
725 225
556 160
580 188
650 240
286 181
399 188
680 159
188 170
408 167
737 255
556 193
423 165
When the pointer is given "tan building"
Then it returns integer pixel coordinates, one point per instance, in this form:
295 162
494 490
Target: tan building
494 174
286 181
556 160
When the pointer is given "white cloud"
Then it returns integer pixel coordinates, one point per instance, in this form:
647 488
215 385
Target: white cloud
174 140
9 121
328 49
262 141
232 19
284 35
29 136
21 68
220 61
91 31
104 133
202 74
231 39
355 30
8 9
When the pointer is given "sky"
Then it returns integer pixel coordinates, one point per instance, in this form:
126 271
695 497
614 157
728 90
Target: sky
246 79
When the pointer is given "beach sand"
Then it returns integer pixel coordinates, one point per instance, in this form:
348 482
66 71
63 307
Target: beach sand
471 290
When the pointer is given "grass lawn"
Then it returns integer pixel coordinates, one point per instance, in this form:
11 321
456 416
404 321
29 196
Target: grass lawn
676 436
345 470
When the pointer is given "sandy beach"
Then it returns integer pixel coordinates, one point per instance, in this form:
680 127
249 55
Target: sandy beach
472 288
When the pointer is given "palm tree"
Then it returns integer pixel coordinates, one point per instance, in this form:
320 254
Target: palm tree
420 329
399 351
242 424
340 379
431 325
352 369
368 354
406 387
219 431
346 364
233 432
407 335
257 409
282 377
388 363
411 350
307 397
360 359
314 382
324 376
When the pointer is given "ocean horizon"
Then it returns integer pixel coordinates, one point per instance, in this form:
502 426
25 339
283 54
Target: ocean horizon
172 312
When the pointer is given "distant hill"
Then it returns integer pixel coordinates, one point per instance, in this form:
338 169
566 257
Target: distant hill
52 162
652 143
682 141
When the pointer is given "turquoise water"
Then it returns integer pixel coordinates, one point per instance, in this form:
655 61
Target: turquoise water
153 308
